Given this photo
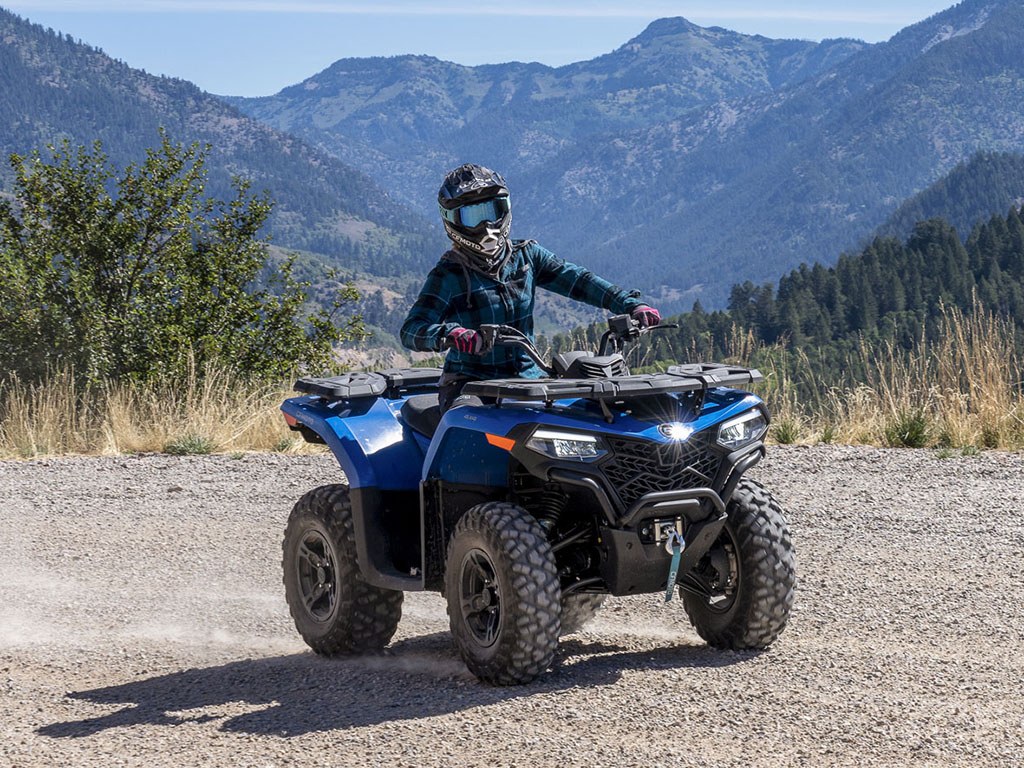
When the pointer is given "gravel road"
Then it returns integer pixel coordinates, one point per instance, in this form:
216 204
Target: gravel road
142 622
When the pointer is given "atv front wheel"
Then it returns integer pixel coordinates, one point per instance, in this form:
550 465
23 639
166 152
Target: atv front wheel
503 594
741 591
334 609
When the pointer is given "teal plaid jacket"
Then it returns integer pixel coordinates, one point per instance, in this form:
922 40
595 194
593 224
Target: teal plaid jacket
454 296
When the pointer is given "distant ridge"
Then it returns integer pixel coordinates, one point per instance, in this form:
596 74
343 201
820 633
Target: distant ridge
681 162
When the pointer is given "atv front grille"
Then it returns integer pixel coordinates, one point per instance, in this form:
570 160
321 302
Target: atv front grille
638 467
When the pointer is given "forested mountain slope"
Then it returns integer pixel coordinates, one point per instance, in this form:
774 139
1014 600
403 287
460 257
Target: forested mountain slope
689 158
893 291
749 189
990 182
405 119
54 88
685 161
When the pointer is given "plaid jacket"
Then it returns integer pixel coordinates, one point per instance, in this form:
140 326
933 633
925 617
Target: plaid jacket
454 296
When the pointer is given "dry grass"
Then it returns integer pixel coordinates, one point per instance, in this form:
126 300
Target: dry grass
964 391
211 413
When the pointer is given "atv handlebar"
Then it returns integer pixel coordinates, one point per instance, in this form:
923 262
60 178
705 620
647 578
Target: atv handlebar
622 330
507 336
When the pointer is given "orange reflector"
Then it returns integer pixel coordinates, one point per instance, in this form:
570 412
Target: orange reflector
290 420
500 442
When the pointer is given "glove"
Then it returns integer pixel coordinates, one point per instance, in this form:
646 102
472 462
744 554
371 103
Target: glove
465 340
646 316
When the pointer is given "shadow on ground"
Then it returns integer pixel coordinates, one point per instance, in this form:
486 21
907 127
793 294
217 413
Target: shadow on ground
304 693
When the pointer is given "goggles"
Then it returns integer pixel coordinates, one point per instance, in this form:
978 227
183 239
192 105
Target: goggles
469 216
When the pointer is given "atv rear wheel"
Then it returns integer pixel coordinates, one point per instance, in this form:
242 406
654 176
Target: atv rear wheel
578 609
334 609
740 594
503 594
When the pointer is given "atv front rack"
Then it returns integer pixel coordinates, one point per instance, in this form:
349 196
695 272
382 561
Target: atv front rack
361 384
398 381
678 378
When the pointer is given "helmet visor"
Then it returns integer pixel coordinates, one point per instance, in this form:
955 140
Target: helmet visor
469 216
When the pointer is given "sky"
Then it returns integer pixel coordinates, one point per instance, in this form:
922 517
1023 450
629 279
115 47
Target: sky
257 47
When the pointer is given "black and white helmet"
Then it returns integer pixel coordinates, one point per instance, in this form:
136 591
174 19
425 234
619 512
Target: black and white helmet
477 214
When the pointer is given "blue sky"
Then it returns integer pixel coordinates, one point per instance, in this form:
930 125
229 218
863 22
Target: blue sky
256 47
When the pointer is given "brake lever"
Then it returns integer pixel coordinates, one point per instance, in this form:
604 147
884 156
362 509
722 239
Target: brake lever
489 332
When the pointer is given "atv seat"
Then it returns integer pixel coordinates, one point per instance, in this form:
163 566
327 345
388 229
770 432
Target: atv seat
422 413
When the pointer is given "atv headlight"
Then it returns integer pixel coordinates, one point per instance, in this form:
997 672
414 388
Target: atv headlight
566 445
742 430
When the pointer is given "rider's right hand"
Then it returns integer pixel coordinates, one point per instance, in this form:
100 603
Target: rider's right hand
647 316
465 340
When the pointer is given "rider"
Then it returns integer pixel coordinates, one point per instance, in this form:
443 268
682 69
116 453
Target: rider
488 278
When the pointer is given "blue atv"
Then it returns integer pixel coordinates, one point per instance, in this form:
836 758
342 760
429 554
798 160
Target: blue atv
531 500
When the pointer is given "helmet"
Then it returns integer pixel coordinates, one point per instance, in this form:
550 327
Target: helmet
477 215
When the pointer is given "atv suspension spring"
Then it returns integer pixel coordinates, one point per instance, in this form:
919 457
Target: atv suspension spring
552 504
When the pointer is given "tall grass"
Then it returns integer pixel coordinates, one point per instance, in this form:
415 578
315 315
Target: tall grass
215 411
963 390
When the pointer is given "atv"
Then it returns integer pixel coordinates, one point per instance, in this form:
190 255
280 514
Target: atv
530 501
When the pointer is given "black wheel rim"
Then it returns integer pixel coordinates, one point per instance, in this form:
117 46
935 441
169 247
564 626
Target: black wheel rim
719 575
479 597
316 569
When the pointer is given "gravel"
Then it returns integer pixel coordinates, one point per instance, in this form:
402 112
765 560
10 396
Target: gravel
142 622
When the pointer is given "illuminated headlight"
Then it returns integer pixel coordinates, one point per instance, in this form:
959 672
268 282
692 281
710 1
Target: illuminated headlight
676 431
742 430
565 445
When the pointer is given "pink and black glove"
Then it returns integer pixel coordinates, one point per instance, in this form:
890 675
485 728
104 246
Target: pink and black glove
465 340
646 316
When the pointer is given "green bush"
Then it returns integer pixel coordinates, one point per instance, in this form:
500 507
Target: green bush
908 429
786 431
190 445
139 275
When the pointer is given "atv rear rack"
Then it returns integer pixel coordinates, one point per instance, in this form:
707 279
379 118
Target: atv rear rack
363 384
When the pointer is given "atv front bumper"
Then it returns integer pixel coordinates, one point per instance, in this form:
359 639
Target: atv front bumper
634 558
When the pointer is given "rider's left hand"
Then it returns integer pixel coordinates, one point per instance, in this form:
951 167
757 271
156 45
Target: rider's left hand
646 316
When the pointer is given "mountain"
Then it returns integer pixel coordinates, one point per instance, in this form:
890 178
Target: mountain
681 163
893 290
405 120
753 187
52 88
688 158
988 183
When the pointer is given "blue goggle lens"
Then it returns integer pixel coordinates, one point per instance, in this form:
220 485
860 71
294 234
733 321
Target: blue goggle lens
476 213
